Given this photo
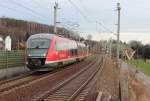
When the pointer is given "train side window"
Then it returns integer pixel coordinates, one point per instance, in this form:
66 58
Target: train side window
56 46
61 45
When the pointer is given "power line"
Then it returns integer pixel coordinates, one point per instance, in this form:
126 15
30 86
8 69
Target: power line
38 4
81 13
107 29
28 9
16 10
84 8
85 17
8 8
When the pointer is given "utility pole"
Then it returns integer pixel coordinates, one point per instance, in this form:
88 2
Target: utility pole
110 44
55 17
118 34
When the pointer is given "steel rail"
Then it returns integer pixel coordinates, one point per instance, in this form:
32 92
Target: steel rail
57 87
6 84
15 78
86 82
77 92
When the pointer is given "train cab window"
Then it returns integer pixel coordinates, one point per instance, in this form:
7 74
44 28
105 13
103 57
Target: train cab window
39 43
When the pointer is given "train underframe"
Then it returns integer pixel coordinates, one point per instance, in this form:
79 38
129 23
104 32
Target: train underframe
40 64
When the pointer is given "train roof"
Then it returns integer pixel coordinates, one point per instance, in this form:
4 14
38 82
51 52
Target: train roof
42 35
47 36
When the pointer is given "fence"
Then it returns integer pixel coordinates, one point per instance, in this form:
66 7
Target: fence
11 58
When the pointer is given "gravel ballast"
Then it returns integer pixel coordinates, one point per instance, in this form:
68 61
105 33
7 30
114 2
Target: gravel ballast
37 87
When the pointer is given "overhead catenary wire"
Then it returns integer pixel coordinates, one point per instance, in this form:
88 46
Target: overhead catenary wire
37 4
107 29
7 7
80 12
26 8
84 8
18 11
38 15
87 19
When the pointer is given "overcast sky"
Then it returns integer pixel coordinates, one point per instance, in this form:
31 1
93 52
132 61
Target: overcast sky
135 16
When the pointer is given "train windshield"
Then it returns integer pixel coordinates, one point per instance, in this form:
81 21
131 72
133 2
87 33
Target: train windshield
38 43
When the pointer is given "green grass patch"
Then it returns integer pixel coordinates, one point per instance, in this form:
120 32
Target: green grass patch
141 65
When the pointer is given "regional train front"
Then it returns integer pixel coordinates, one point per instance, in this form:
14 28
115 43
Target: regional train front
36 51
44 52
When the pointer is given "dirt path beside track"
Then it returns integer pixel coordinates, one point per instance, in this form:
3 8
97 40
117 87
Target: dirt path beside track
107 81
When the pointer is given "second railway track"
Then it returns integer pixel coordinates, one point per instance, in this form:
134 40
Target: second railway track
70 88
12 84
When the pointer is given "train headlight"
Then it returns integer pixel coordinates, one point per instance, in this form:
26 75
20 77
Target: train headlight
29 55
44 54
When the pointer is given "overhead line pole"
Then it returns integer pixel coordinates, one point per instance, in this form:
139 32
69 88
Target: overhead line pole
118 35
55 17
110 46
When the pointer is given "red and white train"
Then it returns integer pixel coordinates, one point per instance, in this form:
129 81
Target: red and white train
46 51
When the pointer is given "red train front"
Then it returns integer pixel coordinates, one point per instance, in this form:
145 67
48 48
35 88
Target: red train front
47 51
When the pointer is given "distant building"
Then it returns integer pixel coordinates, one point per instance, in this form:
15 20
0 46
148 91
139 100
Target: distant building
1 43
8 43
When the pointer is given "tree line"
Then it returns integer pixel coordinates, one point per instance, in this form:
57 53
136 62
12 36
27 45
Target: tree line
20 30
142 51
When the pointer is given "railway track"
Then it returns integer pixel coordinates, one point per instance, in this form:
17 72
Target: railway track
17 82
82 95
15 78
71 88
20 81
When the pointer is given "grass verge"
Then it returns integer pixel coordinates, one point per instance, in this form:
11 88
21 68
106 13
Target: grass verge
141 65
